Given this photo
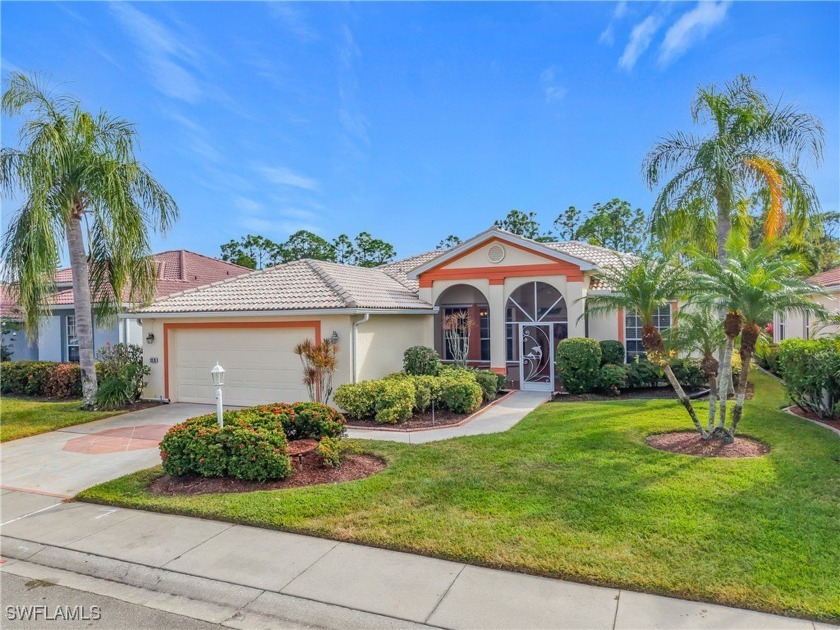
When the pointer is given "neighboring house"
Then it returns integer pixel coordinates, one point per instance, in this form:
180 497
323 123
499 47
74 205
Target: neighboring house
177 271
522 296
790 325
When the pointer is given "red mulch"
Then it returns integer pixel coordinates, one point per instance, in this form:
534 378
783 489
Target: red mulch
443 418
308 471
799 411
690 443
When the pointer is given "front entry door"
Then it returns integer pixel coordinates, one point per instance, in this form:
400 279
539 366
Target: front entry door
536 357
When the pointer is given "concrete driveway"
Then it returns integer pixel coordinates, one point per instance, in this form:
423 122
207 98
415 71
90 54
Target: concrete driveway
64 462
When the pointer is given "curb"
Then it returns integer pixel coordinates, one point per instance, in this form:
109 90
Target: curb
819 424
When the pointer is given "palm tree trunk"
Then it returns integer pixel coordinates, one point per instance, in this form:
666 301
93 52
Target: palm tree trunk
749 337
684 399
724 380
712 401
82 305
724 223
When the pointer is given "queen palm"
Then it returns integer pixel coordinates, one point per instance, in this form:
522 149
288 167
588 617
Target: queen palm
753 146
750 286
643 285
80 183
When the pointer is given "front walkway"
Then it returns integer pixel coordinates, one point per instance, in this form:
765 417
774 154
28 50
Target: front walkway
65 462
495 419
246 577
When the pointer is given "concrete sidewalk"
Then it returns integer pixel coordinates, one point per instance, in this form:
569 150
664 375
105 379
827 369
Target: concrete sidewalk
243 576
495 419
67 461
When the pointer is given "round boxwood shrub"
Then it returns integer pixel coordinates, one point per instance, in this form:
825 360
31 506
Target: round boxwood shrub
612 378
577 364
356 399
420 360
488 382
249 447
395 399
612 352
427 390
643 373
461 395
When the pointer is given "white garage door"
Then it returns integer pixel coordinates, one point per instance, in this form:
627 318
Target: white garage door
259 364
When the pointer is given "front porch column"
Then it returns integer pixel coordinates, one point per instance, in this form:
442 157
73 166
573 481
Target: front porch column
574 309
498 341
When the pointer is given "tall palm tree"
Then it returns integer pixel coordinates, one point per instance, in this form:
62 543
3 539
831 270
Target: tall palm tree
699 330
753 145
750 286
643 284
82 184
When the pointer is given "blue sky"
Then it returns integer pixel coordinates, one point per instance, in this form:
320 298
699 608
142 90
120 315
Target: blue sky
413 121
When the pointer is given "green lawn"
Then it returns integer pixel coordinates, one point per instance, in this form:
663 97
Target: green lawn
21 417
573 492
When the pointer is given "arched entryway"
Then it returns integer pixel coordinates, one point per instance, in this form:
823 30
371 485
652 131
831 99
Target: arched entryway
464 307
536 319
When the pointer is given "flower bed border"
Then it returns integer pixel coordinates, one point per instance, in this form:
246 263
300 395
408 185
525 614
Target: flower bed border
460 423
812 421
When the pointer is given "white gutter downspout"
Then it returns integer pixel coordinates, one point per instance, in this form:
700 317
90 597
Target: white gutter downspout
356 341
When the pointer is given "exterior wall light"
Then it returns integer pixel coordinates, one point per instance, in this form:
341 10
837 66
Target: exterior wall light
334 336
150 338
218 374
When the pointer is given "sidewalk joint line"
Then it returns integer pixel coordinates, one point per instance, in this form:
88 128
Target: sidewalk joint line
314 562
617 602
183 553
445 593
49 507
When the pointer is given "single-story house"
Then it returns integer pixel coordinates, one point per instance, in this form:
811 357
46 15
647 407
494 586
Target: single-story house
177 271
797 325
522 296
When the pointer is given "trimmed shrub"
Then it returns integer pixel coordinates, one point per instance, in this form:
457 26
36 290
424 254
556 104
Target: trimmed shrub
767 356
454 372
612 352
358 400
612 378
578 362
461 395
36 378
688 372
642 373
313 421
420 361
488 382
248 448
65 381
395 400
811 371
427 389
501 382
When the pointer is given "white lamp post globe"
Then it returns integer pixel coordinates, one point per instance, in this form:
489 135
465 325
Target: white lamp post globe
218 374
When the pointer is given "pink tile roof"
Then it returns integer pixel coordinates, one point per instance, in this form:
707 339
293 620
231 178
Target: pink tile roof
830 278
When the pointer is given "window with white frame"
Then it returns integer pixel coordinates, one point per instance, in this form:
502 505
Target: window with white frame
780 327
72 340
633 330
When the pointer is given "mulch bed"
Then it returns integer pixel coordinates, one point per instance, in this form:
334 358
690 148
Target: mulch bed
799 411
690 443
309 470
443 418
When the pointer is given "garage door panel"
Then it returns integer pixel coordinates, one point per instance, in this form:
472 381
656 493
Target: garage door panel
259 364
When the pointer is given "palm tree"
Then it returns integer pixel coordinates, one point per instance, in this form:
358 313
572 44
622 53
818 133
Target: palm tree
699 330
75 168
753 146
643 284
750 287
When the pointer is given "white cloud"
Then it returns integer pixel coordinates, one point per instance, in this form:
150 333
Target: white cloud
608 34
292 19
691 28
248 206
165 52
286 177
640 38
552 89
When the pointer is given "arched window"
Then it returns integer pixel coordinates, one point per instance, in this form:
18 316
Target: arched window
534 302
470 303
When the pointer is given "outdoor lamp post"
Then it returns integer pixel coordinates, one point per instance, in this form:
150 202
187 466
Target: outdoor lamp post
218 374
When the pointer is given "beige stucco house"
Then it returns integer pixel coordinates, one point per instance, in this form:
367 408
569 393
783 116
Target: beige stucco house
522 297
797 325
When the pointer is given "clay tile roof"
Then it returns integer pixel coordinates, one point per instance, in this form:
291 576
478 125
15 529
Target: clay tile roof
299 285
830 278
400 268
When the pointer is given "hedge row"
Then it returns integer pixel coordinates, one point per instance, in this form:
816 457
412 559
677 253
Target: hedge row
252 443
399 396
811 371
46 379
586 365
